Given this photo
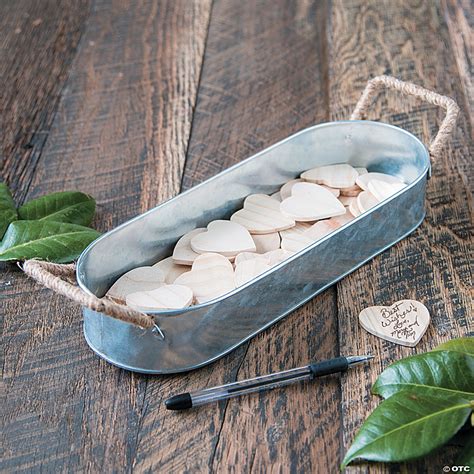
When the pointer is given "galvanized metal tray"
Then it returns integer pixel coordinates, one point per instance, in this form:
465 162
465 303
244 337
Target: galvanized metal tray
200 334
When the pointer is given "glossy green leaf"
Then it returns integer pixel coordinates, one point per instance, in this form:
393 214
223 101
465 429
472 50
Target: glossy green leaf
46 240
462 344
69 206
447 372
408 425
7 209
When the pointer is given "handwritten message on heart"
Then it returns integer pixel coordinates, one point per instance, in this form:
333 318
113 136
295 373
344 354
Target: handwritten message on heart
403 323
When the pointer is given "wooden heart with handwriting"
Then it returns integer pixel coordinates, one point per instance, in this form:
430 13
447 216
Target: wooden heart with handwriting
211 275
311 202
403 323
224 237
261 215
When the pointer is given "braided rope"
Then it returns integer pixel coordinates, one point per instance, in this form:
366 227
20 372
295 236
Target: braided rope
452 110
54 276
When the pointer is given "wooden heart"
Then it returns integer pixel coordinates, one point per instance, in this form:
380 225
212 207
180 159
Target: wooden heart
403 323
285 191
224 237
347 200
322 228
165 297
138 279
311 202
273 257
294 239
261 215
354 208
211 276
335 176
366 200
170 269
183 253
249 269
383 190
363 180
266 242
276 196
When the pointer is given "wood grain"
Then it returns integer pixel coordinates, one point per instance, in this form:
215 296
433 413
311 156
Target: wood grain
263 79
406 39
39 41
133 101
459 18
120 134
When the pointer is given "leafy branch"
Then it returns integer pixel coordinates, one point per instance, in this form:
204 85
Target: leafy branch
54 227
428 398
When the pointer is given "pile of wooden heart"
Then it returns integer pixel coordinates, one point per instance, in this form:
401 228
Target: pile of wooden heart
209 262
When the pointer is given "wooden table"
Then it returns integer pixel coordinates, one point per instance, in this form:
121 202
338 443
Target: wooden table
134 101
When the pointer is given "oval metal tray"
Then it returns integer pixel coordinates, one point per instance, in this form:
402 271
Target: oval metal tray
200 334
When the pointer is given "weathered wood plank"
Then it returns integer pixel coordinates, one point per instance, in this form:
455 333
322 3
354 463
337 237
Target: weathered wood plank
39 41
458 15
263 78
120 134
408 40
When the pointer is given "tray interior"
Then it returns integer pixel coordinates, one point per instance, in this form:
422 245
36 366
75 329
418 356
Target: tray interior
151 236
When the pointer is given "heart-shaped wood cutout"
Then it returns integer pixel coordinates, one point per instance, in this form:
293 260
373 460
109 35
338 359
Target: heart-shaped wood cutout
335 176
322 228
211 276
165 297
366 200
311 202
249 269
170 269
266 242
383 190
347 200
363 180
285 191
138 279
261 215
403 323
183 254
224 237
274 257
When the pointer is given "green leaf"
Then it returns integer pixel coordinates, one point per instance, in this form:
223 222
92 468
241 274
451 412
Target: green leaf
69 206
7 209
447 372
462 344
408 425
54 241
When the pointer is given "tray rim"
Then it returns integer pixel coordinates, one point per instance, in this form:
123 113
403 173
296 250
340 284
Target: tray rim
170 313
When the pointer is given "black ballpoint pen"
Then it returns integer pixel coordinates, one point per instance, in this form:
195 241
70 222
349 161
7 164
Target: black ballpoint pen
265 382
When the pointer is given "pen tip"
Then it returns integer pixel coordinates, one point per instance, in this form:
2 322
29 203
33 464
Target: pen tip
179 402
355 360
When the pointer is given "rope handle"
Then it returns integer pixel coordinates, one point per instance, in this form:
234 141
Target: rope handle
60 278
388 82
